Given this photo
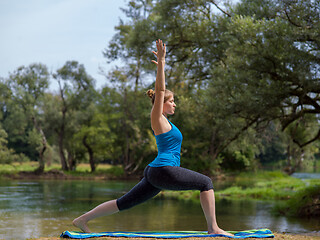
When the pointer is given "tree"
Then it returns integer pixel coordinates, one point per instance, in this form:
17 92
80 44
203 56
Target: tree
298 132
6 155
76 90
132 41
28 85
95 137
132 122
270 69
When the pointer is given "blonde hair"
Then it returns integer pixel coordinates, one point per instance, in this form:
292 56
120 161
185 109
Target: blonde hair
167 94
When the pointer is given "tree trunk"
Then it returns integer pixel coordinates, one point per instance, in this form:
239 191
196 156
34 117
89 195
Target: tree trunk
214 147
71 162
41 153
288 168
63 161
41 167
126 161
91 154
137 75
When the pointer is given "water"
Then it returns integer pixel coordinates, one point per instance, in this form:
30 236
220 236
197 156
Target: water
306 175
33 209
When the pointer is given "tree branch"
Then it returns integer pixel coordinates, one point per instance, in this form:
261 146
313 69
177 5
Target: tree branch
308 142
290 21
220 9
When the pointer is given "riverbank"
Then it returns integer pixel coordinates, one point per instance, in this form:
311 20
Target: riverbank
27 171
280 236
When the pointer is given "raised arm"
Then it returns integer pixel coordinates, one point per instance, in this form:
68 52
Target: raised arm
158 122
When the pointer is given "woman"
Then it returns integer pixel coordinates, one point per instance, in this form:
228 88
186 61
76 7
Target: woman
165 171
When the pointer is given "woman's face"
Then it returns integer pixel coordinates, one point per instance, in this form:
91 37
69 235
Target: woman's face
169 106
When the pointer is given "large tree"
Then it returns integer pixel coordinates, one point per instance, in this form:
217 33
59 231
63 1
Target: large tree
76 93
271 69
28 85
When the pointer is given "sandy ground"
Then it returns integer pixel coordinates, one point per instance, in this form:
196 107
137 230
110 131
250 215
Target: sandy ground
277 236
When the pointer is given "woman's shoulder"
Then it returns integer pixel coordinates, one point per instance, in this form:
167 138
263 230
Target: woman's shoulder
161 125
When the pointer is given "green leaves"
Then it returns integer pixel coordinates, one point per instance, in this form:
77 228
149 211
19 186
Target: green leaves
241 73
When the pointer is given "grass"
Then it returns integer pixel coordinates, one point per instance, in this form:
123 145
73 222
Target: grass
83 169
17 167
264 189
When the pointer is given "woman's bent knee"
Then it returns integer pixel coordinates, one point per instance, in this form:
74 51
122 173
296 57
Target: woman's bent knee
207 184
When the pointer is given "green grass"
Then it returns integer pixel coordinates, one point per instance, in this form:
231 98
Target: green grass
18 167
264 189
82 169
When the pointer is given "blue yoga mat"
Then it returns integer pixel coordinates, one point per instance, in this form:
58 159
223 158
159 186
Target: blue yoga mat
255 233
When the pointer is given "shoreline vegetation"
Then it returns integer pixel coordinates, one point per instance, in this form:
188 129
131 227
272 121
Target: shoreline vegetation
294 197
27 171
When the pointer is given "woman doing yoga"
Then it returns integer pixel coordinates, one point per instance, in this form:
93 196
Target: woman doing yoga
165 171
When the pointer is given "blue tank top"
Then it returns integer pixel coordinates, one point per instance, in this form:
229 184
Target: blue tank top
169 148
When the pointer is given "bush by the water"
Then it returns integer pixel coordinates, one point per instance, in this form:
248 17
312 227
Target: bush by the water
263 186
305 202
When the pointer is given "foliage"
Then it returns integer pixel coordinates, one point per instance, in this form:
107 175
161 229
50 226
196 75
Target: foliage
76 94
305 202
245 77
266 185
27 86
8 156
275 189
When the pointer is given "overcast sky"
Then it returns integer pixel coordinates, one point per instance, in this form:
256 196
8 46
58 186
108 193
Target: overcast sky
55 31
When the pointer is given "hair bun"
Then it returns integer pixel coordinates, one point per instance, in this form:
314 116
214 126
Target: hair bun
150 93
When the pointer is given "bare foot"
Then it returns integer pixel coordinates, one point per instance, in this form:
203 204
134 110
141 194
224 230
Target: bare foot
220 231
81 224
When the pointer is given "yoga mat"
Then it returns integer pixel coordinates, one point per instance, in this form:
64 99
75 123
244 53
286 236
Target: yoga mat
255 233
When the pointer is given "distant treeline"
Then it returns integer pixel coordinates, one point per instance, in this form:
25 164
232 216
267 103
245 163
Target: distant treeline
246 79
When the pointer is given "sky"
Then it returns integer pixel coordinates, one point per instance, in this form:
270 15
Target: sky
52 32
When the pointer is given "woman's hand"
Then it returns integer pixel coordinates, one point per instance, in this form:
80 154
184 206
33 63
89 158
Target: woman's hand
161 52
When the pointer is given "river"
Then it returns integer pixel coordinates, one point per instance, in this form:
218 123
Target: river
32 209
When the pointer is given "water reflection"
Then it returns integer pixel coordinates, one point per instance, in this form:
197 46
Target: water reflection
31 209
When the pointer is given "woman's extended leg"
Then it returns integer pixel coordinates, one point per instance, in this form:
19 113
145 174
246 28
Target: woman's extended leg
104 209
207 200
138 194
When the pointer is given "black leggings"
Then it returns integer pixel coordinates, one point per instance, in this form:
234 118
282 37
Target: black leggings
158 178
